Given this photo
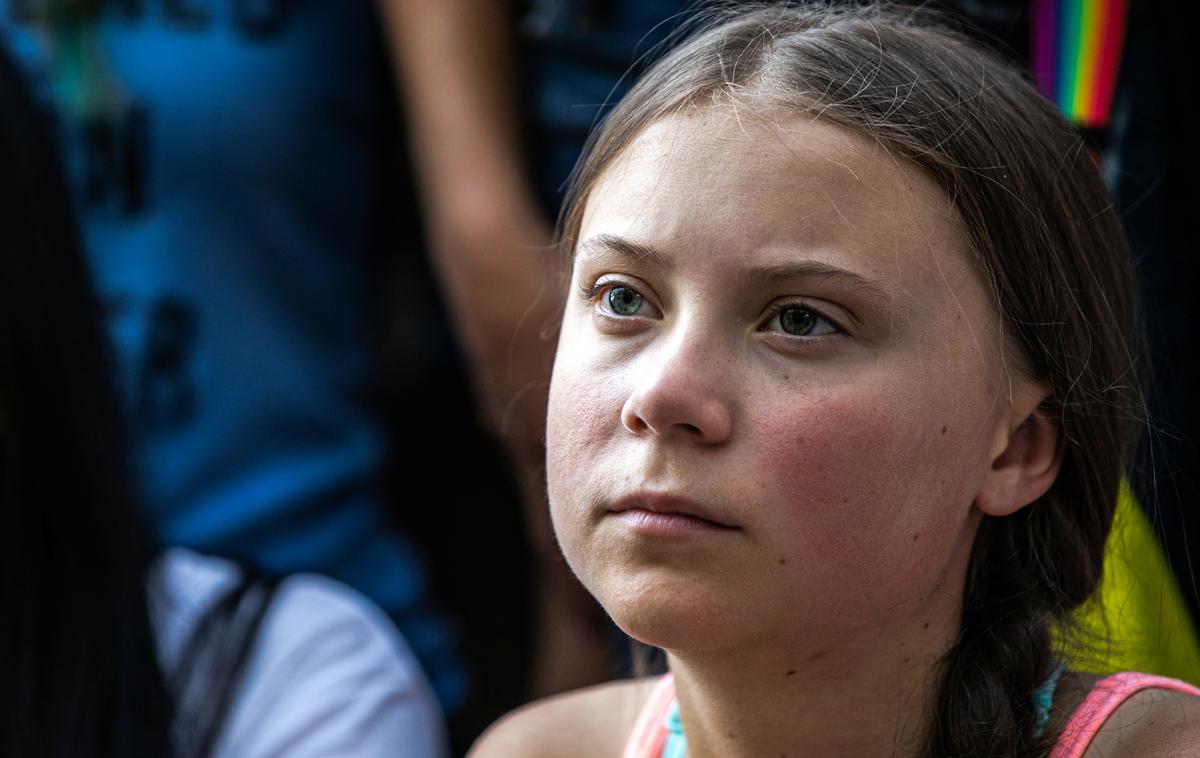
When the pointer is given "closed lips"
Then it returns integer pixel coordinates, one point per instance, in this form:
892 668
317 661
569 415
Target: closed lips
670 505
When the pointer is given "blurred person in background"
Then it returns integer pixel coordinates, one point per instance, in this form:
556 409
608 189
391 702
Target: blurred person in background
228 161
111 646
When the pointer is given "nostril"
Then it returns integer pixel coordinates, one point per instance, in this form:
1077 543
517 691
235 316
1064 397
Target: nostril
634 423
692 428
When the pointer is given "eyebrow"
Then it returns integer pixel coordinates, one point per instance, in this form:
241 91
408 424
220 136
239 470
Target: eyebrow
817 270
640 253
634 251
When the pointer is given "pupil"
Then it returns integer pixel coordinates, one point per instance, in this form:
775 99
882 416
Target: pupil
797 321
624 300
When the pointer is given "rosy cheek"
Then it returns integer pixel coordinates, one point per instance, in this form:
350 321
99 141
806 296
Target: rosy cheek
852 473
813 456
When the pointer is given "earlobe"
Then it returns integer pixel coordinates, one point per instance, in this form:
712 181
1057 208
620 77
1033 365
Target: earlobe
1026 466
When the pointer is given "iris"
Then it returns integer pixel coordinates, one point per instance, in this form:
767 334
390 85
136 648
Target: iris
624 301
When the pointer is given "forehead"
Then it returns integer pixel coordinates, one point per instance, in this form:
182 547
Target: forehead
719 180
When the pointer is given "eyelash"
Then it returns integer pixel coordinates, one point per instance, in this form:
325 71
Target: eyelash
591 293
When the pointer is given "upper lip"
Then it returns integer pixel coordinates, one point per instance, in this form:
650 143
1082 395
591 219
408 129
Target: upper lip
665 502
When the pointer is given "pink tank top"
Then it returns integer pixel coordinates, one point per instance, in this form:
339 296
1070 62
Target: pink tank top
651 731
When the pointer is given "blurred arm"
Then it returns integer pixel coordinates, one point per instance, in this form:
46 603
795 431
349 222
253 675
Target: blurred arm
490 245
455 62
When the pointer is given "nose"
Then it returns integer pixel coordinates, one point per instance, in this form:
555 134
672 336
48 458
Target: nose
682 395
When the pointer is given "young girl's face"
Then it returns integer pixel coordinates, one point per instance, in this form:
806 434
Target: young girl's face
779 386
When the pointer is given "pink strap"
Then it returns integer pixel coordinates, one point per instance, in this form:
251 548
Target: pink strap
650 732
1106 696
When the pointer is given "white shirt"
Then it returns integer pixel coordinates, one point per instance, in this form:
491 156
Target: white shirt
328 675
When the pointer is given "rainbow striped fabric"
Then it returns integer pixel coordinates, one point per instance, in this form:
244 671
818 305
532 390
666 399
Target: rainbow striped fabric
1076 53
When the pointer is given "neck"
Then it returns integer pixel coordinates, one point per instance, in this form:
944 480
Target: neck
872 694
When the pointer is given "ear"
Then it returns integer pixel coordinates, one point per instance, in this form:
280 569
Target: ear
1026 456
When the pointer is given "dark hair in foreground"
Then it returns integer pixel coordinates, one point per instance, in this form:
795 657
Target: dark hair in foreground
77 658
79 666
1045 236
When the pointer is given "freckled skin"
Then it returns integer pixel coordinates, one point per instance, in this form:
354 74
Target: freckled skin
828 455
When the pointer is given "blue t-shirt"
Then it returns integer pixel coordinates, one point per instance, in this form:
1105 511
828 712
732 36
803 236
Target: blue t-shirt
228 160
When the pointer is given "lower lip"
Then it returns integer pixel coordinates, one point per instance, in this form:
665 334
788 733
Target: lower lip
653 524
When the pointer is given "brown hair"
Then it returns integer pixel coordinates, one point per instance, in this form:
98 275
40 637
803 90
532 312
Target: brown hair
1045 236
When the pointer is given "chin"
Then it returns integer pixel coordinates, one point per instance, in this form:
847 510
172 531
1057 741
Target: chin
674 616
673 632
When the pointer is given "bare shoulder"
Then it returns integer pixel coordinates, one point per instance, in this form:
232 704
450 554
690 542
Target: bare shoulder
595 721
1154 723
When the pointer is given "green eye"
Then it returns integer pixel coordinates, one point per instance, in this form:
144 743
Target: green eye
798 321
624 301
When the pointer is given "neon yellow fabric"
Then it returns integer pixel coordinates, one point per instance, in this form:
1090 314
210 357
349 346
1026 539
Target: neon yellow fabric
1138 620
